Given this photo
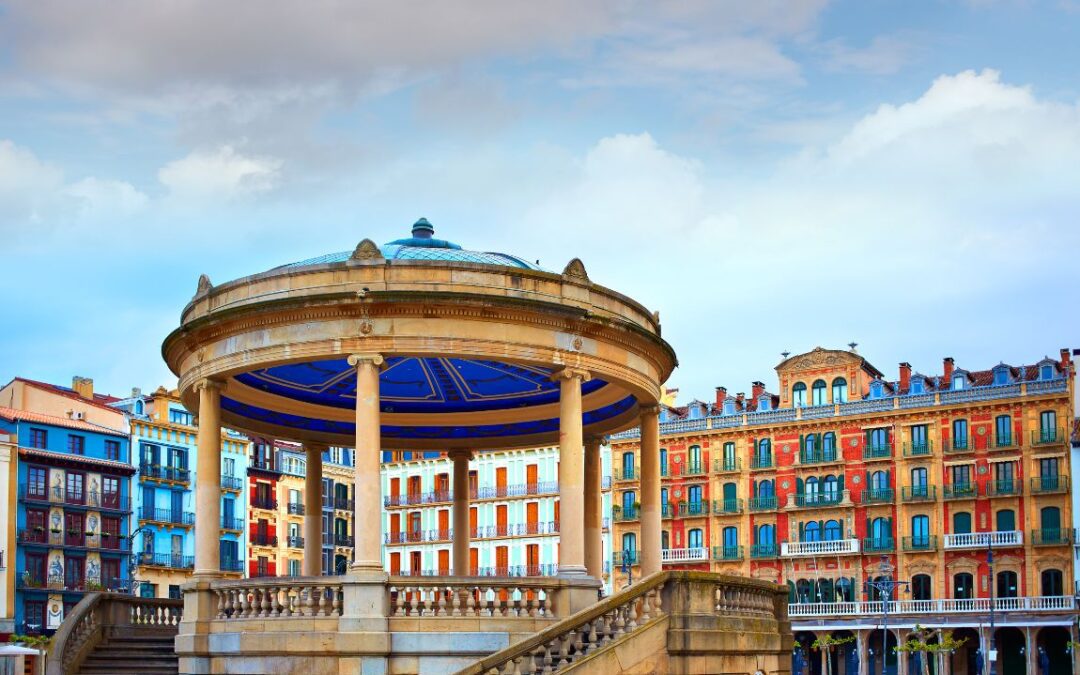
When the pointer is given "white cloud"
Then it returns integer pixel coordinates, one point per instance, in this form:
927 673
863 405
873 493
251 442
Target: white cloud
220 174
107 197
884 55
26 183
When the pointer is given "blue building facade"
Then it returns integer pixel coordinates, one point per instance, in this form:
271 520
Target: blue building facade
73 515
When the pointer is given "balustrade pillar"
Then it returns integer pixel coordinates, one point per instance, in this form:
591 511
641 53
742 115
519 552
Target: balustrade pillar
650 489
571 473
368 508
462 530
594 542
312 565
208 481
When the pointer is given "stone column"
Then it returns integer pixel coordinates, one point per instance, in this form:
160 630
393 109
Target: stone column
650 489
367 516
571 473
594 532
462 532
312 565
208 481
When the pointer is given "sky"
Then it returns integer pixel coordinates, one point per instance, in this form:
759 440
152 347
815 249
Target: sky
770 176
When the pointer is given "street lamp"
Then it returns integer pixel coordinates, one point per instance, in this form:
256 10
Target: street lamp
991 654
886 586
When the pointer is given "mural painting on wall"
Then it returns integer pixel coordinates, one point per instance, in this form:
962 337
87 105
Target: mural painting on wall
92 522
57 484
55 614
56 568
95 482
93 568
56 527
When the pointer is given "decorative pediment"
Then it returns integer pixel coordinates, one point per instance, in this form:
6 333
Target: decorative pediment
921 567
366 250
575 268
818 358
962 565
204 285
1051 562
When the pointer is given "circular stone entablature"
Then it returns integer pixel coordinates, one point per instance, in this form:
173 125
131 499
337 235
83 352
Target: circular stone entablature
470 342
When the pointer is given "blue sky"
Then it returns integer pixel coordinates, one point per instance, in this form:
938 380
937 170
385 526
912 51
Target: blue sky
770 176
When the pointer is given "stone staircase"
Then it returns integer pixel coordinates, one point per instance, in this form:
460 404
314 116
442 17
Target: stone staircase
142 651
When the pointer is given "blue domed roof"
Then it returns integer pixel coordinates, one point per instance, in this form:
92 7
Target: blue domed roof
423 246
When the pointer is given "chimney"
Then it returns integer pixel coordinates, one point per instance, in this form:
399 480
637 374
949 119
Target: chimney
948 368
739 398
758 389
905 376
721 394
136 392
83 386
1066 358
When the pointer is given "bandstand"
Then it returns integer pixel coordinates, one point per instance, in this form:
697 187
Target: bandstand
414 344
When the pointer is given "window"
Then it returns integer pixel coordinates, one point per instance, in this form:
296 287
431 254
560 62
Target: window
229 466
1006 584
1004 477
958 381
174 592
1052 584
921 587
918 437
878 441
729 406
147 589
1050 521
920 531
833 531
110 492
811 490
961 477
112 450
628 465
764 453
881 532
831 489
76 444
918 385
294 568
810 446
1005 520
918 482
663 497
961 523
1003 431
34 614
766 535
828 445
38 438
963 586
765 489
798 395
694 495
75 493
818 393
1001 375
695 459
839 390
37 484
629 542
1046 372
764 402
731 541
694 539
877 389
960 435
879 480
180 417
663 462
729 456
1047 426
812 532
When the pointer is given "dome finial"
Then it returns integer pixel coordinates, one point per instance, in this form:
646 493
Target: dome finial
422 229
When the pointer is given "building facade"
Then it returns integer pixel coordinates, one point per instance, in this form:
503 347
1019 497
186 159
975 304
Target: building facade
163 438
845 480
71 503
513 513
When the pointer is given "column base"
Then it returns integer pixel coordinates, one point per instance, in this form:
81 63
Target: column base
206 575
368 572
573 571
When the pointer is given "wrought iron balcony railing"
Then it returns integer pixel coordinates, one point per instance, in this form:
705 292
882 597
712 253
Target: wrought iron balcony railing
878 544
919 493
727 553
959 491
923 542
878 495
1047 436
727 506
919 449
727 465
763 503
1003 488
1049 484
166 516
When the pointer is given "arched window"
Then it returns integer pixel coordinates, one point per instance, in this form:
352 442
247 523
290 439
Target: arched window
1052 583
825 591
845 590
1006 584
629 542
663 462
833 531
765 488
812 532
729 456
818 393
918 483
628 465
804 591
963 586
694 463
879 480
1005 520
1048 426
921 587
693 538
839 390
766 535
810 444
961 523
798 395
763 456
920 532
828 446
830 489
881 532
731 536
663 497
139 407
811 490
731 492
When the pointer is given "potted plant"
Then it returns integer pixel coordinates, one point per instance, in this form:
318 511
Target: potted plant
94 586
56 530
39 529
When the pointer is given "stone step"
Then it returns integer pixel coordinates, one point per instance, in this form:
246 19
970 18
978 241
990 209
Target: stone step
126 655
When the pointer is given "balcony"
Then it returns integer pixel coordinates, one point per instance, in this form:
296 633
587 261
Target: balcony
693 509
234 483
763 503
343 540
919 493
625 473
265 503
882 451
343 504
675 556
798 549
1045 485
1004 442
233 524
761 462
727 465
1051 536
106 501
295 541
232 565
763 551
167 516
723 507
1003 488
1049 436
959 491
982 540
679 469
880 495
620 515
629 557
1063 604
915 544
879 544
296 509
723 553
818 499
667 510
416 498
262 539
167 560
960 444
157 472
923 449
518 490
819 457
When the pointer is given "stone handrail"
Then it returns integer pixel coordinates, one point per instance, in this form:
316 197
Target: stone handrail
278 597
580 634
85 626
411 596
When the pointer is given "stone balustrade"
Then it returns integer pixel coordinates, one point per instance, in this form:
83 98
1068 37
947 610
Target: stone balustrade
1045 603
472 597
274 598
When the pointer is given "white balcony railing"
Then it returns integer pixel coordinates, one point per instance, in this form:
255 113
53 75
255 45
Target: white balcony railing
1007 538
1045 603
683 555
794 549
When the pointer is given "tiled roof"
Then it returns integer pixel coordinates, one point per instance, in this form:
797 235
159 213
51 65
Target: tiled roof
100 400
28 416
66 456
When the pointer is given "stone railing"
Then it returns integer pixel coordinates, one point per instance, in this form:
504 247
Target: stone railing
411 596
278 597
999 539
86 625
1045 603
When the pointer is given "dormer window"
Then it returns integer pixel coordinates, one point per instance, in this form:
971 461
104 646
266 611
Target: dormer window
877 389
695 412
1001 375
958 382
918 386
139 407
1046 372
764 403
729 407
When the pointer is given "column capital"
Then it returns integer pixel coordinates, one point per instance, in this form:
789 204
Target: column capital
568 373
595 440
357 360
459 453
649 409
316 448
209 383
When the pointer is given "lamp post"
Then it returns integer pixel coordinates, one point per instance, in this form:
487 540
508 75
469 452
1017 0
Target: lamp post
887 586
991 654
